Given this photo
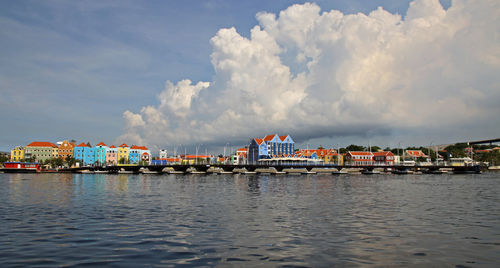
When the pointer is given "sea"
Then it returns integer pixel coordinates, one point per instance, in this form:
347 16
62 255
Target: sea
314 220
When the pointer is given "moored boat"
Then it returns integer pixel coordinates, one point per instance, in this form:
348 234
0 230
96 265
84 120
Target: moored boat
21 167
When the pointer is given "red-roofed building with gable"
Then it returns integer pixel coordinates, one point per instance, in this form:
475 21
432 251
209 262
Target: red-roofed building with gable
384 158
139 154
416 155
100 153
359 158
270 146
40 150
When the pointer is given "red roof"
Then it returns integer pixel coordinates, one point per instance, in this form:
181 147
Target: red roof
383 153
82 145
123 145
282 138
135 147
242 150
101 144
259 141
360 153
42 144
112 146
416 153
269 137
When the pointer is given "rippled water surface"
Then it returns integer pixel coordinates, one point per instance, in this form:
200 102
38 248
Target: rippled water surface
49 220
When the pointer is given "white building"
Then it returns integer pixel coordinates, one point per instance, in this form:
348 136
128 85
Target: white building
163 154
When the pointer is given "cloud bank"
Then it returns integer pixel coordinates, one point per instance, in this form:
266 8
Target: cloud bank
317 74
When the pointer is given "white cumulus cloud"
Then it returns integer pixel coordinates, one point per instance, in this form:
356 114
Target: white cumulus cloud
321 74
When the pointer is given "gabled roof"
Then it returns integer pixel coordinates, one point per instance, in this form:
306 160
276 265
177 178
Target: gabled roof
383 153
269 137
259 141
282 138
82 145
112 146
101 144
42 144
123 145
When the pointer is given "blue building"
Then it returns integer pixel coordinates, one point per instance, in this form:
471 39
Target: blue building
257 150
270 146
100 153
85 153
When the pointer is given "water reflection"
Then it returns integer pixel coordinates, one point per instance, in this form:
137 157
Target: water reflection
248 220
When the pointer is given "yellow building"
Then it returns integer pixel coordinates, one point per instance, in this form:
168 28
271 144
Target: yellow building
17 154
123 153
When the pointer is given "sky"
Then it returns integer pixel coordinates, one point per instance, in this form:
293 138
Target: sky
210 74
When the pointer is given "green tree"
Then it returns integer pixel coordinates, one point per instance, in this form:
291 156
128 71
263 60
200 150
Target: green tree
3 159
70 161
353 147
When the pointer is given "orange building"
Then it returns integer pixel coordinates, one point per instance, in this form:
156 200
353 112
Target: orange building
66 148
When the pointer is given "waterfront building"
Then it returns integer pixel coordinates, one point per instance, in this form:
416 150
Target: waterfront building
139 154
65 149
85 153
167 161
146 156
257 150
383 158
327 156
40 150
17 154
195 159
359 158
163 154
286 146
134 154
415 155
100 153
112 155
242 154
123 153
272 142
271 146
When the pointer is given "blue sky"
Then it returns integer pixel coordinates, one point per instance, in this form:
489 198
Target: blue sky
70 69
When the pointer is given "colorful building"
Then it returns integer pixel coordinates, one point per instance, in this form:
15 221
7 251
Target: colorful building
85 153
327 156
257 150
17 154
138 153
416 155
383 158
123 154
359 158
112 155
100 153
271 146
40 150
65 149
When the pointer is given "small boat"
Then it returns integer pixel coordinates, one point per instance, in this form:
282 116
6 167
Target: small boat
101 171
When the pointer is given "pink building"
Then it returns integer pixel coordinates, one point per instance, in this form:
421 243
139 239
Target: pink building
112 155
